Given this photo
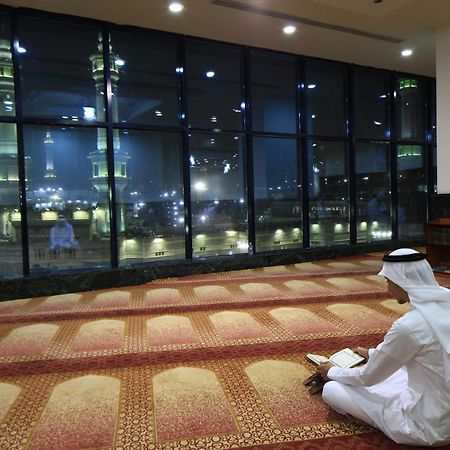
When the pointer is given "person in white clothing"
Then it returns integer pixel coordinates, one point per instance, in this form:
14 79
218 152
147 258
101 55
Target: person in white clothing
404 389
62 235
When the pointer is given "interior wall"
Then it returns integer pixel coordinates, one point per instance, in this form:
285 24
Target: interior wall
443 109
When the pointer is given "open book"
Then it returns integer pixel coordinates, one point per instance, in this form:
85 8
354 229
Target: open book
344 358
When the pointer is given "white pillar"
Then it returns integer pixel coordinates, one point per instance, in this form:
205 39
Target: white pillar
443 108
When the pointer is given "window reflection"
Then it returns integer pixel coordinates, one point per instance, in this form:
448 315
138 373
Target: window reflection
62 70
214 86
149 191
373 192
7 98
67 191
62 74
10 217
219 206
412 188
410 107
147 88
274 93
371 95
278 210
325 98
328 193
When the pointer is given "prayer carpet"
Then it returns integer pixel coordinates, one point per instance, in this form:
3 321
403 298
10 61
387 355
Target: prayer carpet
209 361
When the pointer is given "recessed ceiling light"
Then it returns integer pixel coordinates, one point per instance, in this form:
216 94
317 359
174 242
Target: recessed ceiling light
210 74
289 29
407 52
176 7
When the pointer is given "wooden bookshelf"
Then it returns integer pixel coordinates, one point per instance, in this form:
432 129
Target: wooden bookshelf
438 242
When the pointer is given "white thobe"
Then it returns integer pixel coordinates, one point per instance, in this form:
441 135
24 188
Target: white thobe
402 389
63 237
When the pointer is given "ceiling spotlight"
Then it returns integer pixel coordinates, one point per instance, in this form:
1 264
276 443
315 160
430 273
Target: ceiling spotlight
289 29
176 7
407 52
210 74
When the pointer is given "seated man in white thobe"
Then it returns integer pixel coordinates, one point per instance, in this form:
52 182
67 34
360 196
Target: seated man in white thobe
62 236
404 389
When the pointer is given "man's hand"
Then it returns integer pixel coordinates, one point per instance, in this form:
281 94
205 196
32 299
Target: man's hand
323 370
364 352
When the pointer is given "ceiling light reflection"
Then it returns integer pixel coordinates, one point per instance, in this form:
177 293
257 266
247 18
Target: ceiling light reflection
289 29
176 7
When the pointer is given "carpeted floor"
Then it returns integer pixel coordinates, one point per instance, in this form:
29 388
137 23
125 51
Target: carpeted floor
214 361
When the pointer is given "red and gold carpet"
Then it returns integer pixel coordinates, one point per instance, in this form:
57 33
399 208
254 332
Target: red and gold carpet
212 361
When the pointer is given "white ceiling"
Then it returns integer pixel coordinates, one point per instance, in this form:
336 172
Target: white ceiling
412 21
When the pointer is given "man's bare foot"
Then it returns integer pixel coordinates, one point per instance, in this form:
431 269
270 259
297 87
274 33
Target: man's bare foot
364 352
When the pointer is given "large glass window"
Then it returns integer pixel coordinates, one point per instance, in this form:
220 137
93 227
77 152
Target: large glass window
371 101
149 192
157 85
412 189
10 218
145 79
214 86
67 198
328 193
325 98
7 97
410 108
273 91
373 191
219 207
62 70
278 210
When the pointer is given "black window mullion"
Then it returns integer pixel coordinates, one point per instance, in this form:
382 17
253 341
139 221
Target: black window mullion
393 156
429 147
351 155
110 148
183 111
248 128
303 150
20 146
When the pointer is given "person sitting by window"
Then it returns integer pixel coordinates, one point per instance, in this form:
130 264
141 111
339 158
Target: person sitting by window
62 236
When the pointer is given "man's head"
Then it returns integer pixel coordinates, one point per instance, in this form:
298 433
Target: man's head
405 269
61 220
397 292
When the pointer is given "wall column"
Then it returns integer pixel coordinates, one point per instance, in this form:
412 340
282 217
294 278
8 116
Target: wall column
443 108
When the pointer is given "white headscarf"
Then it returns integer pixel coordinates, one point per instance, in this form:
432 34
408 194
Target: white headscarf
425 294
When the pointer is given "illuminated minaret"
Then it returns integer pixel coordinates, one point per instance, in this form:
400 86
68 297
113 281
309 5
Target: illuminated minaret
97 158
9 174
49 157
408 95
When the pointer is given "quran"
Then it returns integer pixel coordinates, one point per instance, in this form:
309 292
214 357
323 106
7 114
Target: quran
344 358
